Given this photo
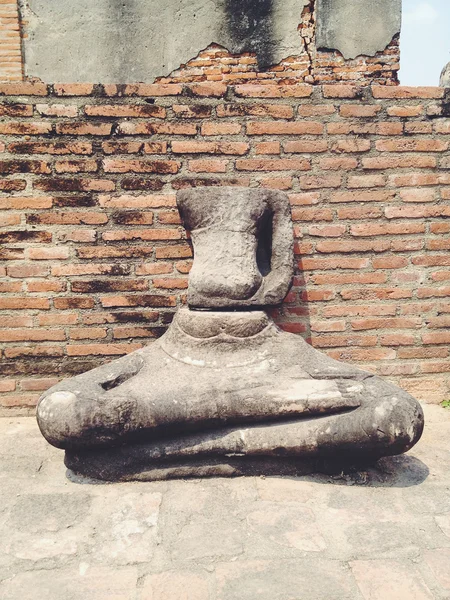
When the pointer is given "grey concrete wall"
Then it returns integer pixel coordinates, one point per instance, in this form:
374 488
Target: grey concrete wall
137 40
356 27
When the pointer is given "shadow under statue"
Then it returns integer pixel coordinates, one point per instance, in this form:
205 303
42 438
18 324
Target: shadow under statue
224 391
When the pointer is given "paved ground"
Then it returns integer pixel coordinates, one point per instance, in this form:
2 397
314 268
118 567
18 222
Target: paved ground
377 535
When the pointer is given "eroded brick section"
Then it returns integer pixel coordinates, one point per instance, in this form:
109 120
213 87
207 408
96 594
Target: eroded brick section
94 260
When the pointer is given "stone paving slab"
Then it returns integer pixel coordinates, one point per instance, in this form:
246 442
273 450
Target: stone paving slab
381 534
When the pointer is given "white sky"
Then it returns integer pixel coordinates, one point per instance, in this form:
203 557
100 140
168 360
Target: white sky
424 41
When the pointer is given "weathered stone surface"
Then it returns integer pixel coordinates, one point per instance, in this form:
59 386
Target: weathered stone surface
227 393
445 76
356 27
169 34
243 246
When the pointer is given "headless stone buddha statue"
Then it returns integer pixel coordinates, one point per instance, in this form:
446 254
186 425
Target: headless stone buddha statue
224 391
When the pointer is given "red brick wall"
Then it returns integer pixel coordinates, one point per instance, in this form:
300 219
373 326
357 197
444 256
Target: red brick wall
10 42
95 261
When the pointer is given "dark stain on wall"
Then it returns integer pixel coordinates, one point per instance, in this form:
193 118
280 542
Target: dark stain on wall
250 27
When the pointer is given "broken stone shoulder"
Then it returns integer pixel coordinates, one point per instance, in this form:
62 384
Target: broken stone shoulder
226 392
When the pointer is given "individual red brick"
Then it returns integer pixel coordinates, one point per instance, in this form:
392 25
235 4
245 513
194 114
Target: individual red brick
440 276
7 385
12 185
366 181
277 183
343 279
24 128
312 110
73 89
413 179
340 91
238 148
57 319
155 148
351 310
442 127
416 212
360 212
418 127
145 201
135 332
29 88
17 237
419 353
419 161
411 145
333 341
418 195
328 326
16 110
306 146
122 147
397 339
142 234
393 323
38 384
76 166
21 303
61 184
68 218
373 229
83 128
275 164
208 166
106 285
79 235
438 322
387 92
32 335
33 351
411 110
442 337
47 285
359 110
353 246
312 214
216 90
363 196
27 270
351 145
19 400
158 268
192 111
87 333
284 128
278 111
148 128
138 300
132 217
51 148
373 293
111 165
268 148
170 283
390 262
101 349
125 110
96 252
327 230
211 128
10 220
182 251
344 163
310 182
184 266
317 295
57 110
304 198
274 91
8 167
70 303
439 227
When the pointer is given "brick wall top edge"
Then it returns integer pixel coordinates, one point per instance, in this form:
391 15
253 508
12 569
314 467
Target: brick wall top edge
218 90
